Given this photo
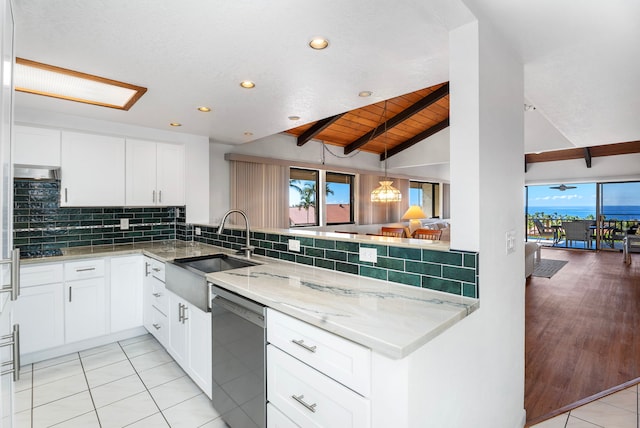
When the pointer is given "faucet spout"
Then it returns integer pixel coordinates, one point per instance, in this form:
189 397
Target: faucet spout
248 249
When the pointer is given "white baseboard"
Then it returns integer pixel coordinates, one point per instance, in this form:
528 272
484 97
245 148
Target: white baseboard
69 348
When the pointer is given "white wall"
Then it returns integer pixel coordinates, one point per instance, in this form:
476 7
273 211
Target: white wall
476 369
196 150
606 168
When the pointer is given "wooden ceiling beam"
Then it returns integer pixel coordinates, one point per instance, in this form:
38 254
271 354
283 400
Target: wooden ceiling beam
317 128
413 140
626 148
423 103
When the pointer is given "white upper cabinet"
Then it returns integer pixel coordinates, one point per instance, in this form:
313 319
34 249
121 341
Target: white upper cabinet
92 170
36 146
155 173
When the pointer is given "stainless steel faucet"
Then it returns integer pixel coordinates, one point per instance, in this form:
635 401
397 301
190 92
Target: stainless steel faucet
248 249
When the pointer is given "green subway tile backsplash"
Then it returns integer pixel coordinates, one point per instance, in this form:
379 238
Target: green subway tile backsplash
42 227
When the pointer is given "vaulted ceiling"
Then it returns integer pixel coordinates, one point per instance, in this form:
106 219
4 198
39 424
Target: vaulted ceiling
386 127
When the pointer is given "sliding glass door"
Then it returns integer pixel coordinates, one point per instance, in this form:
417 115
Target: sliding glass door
618 213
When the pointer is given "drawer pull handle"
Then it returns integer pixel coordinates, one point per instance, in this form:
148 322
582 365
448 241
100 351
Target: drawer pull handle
155 269
157 294
310 407
85 269
302 344
156 326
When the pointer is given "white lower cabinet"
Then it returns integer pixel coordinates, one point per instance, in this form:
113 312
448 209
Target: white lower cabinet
276 419
126 292
315 378
40 308
85 300
190 344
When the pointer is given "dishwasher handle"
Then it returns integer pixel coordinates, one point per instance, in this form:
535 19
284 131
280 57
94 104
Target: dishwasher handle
247 314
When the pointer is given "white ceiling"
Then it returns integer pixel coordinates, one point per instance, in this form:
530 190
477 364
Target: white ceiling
582 60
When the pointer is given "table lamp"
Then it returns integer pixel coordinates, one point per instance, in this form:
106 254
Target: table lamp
414 214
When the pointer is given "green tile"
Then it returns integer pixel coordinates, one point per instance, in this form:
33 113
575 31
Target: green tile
336 255
373 272
327 264
469 290
288 256
469 260
307 242
352 247
440 284
259 235
347 267
461 274
304 260
405 253
423 268
325 243
314 252
444 257
388 263
404 278
280 247
265 244
273 237
273 254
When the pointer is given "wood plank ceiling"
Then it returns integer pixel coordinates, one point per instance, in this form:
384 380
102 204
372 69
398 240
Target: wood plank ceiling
410 118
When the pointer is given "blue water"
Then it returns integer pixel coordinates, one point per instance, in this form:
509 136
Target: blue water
611 212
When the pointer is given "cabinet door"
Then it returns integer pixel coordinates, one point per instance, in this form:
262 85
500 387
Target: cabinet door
126 292
170 174
36 146
141 173
199 325
93 168
178 344
40 313
85 309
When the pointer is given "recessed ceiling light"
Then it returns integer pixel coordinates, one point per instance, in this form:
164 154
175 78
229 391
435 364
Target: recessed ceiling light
294 117
365 93
248 134
247 84
51 81
204 109
175 124
318 43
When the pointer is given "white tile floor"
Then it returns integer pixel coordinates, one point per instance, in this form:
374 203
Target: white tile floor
619 410
132 383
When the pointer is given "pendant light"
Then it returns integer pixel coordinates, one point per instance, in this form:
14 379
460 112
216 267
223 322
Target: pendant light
385 192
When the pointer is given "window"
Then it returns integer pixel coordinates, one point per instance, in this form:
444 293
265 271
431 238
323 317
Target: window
339 198
426 196
303 197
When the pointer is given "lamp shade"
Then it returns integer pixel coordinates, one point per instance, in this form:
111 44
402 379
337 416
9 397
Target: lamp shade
386 193
414 213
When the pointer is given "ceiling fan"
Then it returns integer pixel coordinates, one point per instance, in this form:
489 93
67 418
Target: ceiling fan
562 187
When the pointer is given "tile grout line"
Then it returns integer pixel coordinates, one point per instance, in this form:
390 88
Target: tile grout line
84 373
145 386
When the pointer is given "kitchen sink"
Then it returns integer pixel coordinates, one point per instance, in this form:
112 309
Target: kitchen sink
212 263
186 276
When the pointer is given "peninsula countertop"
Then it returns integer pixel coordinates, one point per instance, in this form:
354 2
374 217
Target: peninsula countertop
390 318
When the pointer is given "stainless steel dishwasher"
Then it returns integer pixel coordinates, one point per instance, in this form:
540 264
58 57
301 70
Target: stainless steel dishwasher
238 358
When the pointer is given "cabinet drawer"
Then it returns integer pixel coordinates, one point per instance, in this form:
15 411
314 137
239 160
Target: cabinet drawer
338 358
154 268
275 418
159 326
311 399
83 269
40 274
159 297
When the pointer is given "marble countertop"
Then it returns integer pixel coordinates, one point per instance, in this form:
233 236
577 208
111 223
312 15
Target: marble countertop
390 318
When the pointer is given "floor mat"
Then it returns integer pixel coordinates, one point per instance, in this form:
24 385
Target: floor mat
546 268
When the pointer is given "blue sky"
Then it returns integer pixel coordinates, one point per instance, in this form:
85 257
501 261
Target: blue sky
585 195
340 195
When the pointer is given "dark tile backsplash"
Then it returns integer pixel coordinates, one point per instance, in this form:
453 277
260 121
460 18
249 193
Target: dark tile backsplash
42 227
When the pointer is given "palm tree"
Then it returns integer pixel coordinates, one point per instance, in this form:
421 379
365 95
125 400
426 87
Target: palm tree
308 194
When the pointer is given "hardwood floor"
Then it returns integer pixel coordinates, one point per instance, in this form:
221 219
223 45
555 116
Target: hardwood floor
582 330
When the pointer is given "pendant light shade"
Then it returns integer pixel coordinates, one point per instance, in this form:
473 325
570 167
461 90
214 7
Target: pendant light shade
386 193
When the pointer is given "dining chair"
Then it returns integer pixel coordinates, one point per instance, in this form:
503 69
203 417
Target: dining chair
395 232
427 234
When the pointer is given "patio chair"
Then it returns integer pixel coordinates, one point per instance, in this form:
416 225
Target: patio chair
544 231
577 230
427 234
